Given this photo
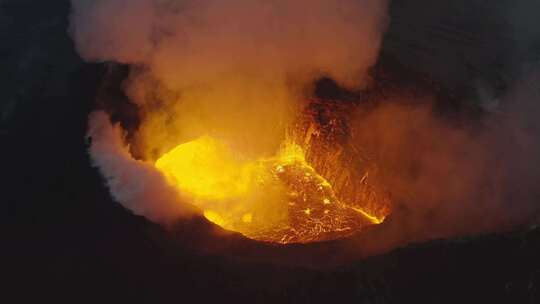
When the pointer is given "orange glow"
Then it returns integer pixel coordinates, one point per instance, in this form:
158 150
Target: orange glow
237 72
206 169
278 199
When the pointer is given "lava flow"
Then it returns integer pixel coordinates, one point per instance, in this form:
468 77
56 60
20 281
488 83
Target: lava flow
280 199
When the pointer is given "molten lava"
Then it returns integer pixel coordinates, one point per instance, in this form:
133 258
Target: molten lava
278 199
208 170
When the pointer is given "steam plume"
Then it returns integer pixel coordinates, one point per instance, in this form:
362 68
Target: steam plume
231 69
451 180
135 184
235 68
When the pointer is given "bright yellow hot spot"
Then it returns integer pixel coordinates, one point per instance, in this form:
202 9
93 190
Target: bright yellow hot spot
207 169
214 218
247 218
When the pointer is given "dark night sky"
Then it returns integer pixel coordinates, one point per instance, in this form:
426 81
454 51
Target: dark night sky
65 239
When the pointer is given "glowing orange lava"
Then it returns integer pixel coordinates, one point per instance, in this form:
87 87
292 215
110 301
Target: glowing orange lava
278 199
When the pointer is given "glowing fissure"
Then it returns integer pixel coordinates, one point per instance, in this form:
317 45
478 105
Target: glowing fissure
278 199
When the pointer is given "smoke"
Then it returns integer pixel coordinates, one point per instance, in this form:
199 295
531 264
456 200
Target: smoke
236 70
133 183
232 68
451 179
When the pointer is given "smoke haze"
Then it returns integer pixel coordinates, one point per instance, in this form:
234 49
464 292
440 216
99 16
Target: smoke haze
236 70
133 183
450 179
231 68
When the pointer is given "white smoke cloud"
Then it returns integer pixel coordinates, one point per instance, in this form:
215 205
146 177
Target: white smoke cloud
233 69
133 183
450 179
189 42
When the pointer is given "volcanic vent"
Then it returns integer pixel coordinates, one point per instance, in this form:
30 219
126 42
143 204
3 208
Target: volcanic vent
219 88
319 189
